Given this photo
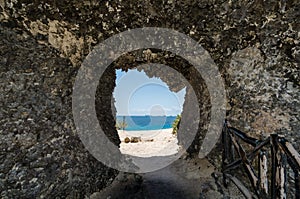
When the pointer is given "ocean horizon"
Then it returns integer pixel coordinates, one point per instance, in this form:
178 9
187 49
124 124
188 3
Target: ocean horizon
146 122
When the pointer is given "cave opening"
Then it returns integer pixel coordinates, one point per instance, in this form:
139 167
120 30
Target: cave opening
147 113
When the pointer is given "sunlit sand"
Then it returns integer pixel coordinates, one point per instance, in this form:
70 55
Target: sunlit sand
152 143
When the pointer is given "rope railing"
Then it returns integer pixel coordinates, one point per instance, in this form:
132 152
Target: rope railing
283 154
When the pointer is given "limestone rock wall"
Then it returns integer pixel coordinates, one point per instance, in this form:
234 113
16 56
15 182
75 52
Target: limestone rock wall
41 153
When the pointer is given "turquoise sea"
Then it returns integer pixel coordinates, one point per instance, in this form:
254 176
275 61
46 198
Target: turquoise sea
148 122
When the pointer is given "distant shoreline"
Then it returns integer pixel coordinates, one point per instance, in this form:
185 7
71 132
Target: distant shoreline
140 131
141 123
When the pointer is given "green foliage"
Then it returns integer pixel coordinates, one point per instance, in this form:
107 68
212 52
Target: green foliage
175 124
121 125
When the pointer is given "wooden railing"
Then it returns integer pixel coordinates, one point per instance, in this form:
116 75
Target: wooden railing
266 184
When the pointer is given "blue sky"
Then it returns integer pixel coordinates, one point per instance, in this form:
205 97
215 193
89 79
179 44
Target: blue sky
137 94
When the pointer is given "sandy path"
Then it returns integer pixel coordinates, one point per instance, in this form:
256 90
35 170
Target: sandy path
183 179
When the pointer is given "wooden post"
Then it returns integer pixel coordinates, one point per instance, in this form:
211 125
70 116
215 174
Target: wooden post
225 152
297 184
293 158
274 149
278 189
263 169
282 175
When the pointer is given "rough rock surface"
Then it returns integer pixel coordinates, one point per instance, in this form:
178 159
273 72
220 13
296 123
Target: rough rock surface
254 44
41 154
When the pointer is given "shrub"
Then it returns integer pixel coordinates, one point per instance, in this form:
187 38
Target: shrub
176 124
121 125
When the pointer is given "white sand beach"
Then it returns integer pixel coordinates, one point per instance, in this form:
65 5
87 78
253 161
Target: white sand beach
153 143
